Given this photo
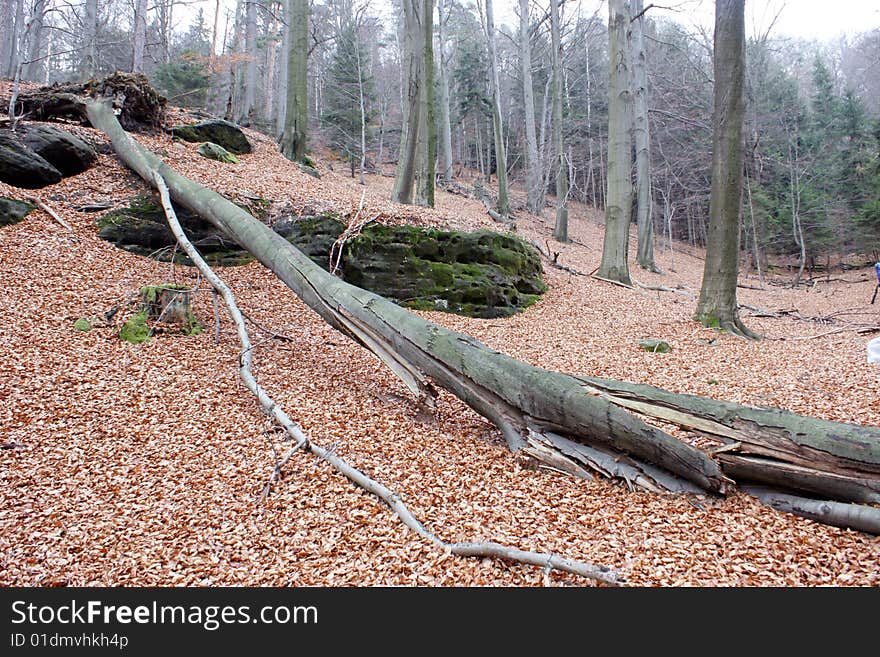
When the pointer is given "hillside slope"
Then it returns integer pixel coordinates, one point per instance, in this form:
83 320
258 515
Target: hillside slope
143 464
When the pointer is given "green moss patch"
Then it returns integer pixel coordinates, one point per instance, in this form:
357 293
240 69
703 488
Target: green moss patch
136 330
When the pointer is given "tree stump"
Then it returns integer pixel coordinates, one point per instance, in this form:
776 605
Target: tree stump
167 303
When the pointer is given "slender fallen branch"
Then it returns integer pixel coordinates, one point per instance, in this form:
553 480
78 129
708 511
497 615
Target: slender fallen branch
45 208
608 280
466 549
840 514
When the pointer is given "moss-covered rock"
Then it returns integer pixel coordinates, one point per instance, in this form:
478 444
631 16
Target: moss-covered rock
481 274
142 228
223 133
12 211
214 151
655 346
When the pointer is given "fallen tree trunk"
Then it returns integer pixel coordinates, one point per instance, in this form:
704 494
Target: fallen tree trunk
295 432
524 401
572 424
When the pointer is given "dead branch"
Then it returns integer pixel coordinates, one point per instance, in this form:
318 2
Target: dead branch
45 208
482 549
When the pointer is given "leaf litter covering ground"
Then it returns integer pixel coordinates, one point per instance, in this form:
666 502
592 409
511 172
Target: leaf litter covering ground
144 464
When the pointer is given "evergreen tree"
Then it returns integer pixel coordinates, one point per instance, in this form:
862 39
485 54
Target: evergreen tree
348 96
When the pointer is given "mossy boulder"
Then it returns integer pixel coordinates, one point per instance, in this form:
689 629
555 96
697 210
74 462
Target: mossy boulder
20 166
223 133
214 151
12 211
480 274
69 154
655 346
142 228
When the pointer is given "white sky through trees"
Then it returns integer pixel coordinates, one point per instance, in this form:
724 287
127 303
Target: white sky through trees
822 20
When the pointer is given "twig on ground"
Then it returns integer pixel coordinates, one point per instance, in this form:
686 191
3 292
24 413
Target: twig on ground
45 208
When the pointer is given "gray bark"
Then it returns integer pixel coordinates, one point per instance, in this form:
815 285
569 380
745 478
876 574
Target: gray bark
850 516
717 305
89 64
282 73
642 138
250 78
426 155
140 36
618 200
446 173
533 163
418 144
560 231
296 115
497 123
35 33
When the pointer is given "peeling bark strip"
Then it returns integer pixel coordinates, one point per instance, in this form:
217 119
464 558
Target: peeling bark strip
523 401
846 449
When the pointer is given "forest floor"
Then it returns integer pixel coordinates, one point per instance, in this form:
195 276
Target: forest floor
144 464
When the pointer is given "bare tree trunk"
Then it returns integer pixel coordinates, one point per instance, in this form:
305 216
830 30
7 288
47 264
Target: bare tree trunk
497 123
34 41
446 173
89 63
533 162
296 115
618 201
642 138
560 231
417 159
411 65
140 36
717 305
250 77
426 157
283 72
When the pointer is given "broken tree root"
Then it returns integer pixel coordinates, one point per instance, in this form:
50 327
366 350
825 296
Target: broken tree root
463 549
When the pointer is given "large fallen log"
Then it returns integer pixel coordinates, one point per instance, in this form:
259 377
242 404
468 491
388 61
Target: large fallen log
573 424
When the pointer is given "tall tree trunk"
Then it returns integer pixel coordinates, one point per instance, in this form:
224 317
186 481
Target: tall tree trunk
446 173
426 170
296 115
533 164
717 304
89 64
35 34
497 124
411 63
560 231
282 72
618 201
642 138
250 77
416 160
140 36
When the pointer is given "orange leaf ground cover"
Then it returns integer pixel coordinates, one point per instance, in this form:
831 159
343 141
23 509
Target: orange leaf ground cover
143 464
